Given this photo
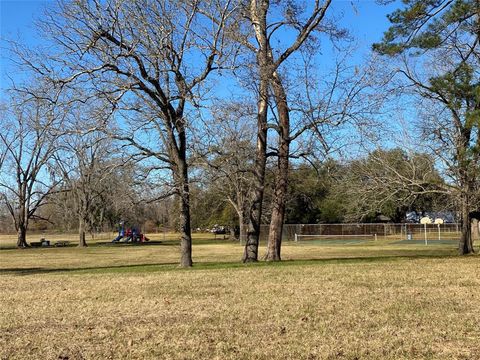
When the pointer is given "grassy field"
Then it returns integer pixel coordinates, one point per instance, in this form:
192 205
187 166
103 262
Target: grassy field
362 301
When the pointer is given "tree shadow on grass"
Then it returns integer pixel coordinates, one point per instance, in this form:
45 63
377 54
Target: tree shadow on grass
171 266
88 269
92 244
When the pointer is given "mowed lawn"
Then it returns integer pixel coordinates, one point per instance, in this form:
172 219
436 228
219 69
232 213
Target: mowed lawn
322 302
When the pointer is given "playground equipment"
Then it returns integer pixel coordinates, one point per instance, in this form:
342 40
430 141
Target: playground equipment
130 234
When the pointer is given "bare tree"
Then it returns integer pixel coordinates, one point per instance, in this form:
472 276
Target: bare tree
255 12
298 20
303 20
259 41
29 139
227 158
86 163
391 182
149 58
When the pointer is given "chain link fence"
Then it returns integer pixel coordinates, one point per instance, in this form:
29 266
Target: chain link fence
379 231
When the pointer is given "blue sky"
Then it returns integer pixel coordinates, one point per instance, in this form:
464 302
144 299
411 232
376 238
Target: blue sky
364 18
17 16
16 23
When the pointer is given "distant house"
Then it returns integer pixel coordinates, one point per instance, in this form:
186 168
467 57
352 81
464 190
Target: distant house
412 217
448 217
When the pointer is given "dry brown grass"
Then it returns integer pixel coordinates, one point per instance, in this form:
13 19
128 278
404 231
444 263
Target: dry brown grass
127 302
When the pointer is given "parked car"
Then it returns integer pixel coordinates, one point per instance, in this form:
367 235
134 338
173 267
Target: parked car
219 230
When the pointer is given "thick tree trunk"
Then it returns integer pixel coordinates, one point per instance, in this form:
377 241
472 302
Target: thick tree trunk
281 181
466 241
185 229
275 231
21 220
250 253
22 236
185 226
178 156
82 242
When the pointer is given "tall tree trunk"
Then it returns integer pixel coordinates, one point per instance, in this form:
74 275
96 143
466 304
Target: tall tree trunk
185 221
466 241
22 235
21 223
281 181
185 228
250 253
465 246
178 155
81 231
258 17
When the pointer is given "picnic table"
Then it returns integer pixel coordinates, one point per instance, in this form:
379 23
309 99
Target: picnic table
61 243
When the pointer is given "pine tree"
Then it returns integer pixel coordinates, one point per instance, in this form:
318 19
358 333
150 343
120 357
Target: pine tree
444 36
